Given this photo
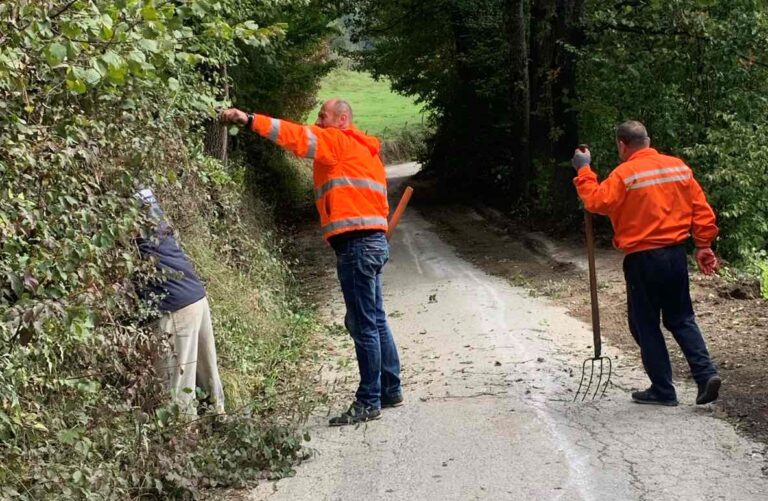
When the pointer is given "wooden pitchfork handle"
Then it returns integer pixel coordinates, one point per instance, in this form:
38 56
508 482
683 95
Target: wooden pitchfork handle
593 282
399 211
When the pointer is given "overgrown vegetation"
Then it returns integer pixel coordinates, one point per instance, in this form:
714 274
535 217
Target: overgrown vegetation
95 98
513 85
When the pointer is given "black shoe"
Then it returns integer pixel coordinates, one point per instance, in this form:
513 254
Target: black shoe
357 413
395 401
649 397
709 391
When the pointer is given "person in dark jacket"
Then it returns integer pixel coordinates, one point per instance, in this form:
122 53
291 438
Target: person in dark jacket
185 315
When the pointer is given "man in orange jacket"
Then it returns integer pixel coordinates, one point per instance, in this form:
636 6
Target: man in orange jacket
655 204
351 199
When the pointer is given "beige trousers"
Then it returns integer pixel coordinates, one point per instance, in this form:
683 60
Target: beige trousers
193 361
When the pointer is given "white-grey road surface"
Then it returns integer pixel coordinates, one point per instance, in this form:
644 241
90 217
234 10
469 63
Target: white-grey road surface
489 374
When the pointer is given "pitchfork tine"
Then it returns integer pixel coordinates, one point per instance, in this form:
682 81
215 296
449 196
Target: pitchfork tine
599 380
603 379
589 383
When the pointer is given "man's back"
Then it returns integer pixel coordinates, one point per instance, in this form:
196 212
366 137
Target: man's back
652 200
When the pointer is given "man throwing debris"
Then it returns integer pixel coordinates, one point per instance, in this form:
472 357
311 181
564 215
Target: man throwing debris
655 204
351 198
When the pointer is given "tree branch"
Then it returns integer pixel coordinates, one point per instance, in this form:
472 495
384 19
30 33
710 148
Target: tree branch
646 31
62 10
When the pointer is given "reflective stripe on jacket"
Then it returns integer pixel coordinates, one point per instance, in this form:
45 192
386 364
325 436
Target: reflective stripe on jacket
652 200
349 178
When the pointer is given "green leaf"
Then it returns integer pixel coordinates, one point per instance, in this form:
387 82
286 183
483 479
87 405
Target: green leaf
89 386
75 85
111 58
136 56
148 45
70 29
17 285
92 76
73 50
55 54
149 12
117 74
68 437
173 84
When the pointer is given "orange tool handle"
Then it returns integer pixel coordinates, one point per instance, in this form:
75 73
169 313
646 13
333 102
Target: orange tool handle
399 211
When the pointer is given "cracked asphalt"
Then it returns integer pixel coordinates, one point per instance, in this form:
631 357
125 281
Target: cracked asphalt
489 373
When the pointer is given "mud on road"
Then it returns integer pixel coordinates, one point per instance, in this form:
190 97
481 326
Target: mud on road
731 315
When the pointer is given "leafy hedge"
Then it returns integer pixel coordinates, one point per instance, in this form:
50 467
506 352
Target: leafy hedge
95 98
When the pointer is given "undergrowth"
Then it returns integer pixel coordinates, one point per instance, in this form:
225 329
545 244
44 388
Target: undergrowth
97 98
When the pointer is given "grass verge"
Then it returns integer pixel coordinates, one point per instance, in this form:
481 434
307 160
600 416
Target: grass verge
395 119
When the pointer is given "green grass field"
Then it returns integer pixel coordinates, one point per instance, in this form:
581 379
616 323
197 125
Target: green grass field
377 110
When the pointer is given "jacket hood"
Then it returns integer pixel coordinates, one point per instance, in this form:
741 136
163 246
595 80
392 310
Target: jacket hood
370 142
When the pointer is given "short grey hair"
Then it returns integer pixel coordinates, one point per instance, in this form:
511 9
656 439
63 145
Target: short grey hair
633 134
340 106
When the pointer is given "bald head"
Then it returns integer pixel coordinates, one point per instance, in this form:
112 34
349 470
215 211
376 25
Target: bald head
630 137
335 113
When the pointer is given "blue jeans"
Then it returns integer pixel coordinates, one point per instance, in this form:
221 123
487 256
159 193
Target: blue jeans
359 262
657 284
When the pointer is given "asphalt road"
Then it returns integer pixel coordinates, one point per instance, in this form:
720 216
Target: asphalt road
489 376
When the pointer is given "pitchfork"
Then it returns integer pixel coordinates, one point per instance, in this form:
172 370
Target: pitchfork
597 363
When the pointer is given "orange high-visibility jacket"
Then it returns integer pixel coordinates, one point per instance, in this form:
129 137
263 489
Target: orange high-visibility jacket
349 177
652 200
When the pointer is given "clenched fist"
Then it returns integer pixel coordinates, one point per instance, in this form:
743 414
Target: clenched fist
233 116
581 157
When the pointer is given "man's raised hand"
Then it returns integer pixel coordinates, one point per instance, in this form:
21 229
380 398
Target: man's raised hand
581 157
233 116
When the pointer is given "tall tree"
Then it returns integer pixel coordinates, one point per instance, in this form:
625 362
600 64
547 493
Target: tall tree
555 34
520 98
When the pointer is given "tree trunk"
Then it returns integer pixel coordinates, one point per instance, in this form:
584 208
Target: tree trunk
520 101
554 123
541 76
216 141
569 31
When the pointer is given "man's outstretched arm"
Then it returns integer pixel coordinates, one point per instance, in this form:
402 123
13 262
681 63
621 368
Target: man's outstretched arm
305 141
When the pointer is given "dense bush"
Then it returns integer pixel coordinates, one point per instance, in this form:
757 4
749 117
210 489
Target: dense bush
97 97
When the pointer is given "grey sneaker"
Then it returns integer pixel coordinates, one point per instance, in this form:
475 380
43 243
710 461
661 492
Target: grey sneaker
357 413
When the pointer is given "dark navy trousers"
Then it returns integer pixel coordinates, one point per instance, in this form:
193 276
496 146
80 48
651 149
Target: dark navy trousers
657 286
